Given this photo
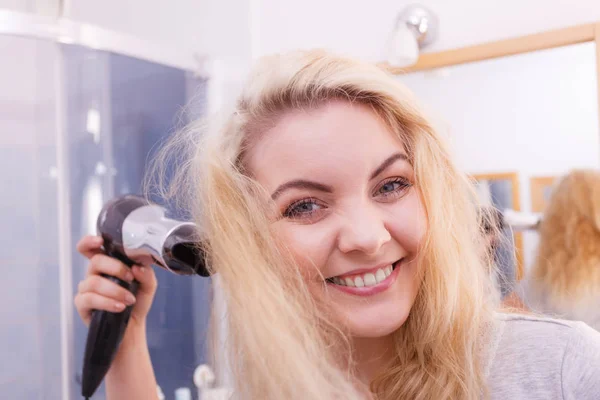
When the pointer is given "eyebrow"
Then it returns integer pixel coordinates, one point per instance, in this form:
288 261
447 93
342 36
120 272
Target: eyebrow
306 184
301 184
387 163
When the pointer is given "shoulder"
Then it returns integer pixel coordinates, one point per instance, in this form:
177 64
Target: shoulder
530 326
525 331
533 342
537 298
550 354
581 363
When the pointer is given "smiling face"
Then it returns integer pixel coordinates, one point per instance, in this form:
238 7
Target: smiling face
348 210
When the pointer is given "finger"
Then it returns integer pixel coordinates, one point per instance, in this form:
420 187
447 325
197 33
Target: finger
86 302
106 288
90 245
103 264
146 277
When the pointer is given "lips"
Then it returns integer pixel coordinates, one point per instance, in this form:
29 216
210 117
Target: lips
364 278
350 284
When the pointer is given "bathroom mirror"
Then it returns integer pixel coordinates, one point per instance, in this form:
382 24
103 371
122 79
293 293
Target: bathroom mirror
527 105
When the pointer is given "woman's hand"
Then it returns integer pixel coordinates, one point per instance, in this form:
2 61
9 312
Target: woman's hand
98 293
130 375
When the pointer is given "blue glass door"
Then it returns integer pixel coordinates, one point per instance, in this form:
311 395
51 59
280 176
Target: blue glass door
118 110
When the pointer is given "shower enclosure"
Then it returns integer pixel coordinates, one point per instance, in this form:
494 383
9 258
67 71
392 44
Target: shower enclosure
77 127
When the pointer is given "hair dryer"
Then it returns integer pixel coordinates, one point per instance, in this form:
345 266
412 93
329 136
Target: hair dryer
135 232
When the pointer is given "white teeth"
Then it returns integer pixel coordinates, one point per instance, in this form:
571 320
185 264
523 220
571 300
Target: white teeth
388 271
370 280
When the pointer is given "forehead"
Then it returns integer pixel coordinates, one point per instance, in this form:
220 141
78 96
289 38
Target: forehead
308 142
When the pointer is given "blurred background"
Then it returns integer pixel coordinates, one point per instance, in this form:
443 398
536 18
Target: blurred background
89 89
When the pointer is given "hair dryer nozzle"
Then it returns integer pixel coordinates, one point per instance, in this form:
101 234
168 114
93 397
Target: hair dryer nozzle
149 237
182 252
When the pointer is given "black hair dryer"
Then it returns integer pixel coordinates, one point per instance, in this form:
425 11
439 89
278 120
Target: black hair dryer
135 232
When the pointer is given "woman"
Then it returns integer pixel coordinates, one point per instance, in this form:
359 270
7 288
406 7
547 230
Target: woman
347 243
565 276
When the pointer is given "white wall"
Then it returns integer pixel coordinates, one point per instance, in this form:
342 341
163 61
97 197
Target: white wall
202 26
360 28
40 7
240 29
535 114
176 24
236 31
18 5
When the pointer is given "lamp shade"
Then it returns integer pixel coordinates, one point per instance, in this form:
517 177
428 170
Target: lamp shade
402 47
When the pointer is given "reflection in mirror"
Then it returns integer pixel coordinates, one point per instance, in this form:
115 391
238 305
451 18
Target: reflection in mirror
501 192
565 275
533 113
541 189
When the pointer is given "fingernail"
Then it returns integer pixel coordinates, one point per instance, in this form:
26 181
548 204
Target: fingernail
142 270
119 306
130 299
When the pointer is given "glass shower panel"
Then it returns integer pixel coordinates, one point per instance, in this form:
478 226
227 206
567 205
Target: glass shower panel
30 340
119 109
103 114
88 136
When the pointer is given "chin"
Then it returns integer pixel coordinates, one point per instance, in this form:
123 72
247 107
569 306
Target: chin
375 317
375 325
381 313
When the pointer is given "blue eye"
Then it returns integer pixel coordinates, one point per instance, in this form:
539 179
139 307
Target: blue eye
389 187
302 209
392 187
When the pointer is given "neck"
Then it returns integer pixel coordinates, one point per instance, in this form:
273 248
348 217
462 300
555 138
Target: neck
371 355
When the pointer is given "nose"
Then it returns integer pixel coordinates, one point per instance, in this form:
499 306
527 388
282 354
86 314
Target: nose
364 230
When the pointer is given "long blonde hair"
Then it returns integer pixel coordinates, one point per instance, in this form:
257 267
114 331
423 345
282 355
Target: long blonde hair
567 263
282 343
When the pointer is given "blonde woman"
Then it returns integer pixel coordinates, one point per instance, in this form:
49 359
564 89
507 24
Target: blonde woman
347 243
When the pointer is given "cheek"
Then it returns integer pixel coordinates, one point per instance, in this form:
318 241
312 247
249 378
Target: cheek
310 246
408 223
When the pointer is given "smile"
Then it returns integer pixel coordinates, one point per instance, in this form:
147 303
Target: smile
368 282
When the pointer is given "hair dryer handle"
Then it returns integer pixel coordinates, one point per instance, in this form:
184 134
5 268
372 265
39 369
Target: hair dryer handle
104 337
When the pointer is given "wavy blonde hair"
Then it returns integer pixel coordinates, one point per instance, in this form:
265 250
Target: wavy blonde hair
567 263
282 342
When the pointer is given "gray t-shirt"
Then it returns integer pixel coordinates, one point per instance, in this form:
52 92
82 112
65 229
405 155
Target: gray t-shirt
536 358
585 308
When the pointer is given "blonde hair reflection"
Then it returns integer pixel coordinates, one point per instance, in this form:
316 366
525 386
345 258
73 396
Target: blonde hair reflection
566 270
